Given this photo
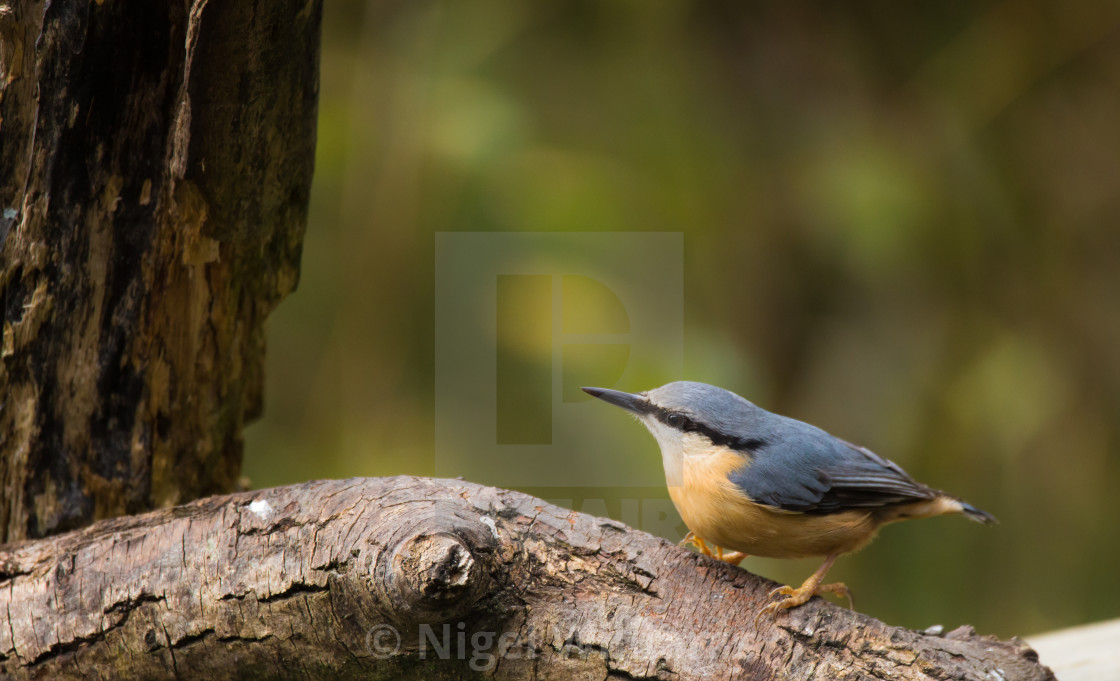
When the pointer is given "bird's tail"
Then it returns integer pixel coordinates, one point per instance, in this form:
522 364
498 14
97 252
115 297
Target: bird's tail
976 514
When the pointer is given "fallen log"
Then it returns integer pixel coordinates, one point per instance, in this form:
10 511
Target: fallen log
428 579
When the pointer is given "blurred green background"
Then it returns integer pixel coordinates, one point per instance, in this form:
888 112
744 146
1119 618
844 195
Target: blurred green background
900 223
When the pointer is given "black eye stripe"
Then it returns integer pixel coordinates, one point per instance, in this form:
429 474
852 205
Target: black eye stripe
682 422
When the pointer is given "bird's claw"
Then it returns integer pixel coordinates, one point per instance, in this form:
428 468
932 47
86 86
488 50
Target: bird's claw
840 589
794 597
800 596
700 544
733 557
689 540
782 591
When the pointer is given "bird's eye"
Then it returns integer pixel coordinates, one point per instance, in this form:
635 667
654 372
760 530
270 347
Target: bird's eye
676 420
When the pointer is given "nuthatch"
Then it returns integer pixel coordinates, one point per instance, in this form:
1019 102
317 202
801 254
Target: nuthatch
758 483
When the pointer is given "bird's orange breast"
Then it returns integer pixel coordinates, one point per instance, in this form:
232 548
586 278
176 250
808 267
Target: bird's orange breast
716 510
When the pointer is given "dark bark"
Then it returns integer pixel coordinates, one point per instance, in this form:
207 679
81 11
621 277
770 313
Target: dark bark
155 163
304 582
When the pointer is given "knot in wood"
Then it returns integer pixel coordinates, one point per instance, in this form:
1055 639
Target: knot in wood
435 577
437 567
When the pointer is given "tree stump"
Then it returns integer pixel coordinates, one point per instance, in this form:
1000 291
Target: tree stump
155 165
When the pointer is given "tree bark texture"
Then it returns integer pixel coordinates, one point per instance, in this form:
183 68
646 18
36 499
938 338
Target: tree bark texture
428 579
155 164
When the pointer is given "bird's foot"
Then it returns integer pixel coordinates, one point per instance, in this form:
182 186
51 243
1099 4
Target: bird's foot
700 544
733 557
801 595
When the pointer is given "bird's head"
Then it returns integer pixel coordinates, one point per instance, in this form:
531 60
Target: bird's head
687 417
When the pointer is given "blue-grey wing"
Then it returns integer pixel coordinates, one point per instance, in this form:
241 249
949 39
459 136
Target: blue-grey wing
808 470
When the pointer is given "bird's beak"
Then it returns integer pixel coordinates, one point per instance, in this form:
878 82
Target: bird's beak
632 403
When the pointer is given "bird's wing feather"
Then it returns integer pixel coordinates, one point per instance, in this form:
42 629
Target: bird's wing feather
810 471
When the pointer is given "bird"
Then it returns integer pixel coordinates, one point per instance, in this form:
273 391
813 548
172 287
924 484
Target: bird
757 483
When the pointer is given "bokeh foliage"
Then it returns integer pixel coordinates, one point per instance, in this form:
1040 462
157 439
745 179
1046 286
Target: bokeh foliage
900 223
